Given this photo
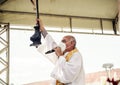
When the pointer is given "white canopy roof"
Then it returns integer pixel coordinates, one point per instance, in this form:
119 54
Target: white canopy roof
85 14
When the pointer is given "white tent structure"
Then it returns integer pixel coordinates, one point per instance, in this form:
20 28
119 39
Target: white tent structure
97 16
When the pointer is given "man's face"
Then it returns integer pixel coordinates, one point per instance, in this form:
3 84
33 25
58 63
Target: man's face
68 42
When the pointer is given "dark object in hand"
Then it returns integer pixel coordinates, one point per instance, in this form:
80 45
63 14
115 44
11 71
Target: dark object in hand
36 37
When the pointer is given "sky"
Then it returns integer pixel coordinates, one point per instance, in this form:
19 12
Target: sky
28 65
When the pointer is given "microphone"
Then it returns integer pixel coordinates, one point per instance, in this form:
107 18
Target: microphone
50 51
61 45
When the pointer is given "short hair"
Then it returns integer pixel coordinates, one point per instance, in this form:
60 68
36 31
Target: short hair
71 38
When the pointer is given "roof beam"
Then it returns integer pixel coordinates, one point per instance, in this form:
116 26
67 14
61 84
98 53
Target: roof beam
47 14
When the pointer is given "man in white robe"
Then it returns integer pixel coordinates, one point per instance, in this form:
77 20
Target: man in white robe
66 71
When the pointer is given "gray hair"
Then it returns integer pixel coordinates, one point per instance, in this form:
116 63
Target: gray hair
71 38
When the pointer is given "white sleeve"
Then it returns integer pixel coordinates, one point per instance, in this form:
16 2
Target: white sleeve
49 44
66 72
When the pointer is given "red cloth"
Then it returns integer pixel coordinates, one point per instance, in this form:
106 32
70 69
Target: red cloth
113 81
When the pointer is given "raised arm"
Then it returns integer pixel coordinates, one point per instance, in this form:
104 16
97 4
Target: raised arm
48 45
42 28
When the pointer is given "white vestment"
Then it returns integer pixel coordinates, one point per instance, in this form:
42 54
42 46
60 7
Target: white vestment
71 72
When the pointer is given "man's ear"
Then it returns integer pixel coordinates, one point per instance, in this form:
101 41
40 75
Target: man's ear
72 42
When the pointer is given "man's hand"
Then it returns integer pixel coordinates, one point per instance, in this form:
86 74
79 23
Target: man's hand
41 25
58 51
41 28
